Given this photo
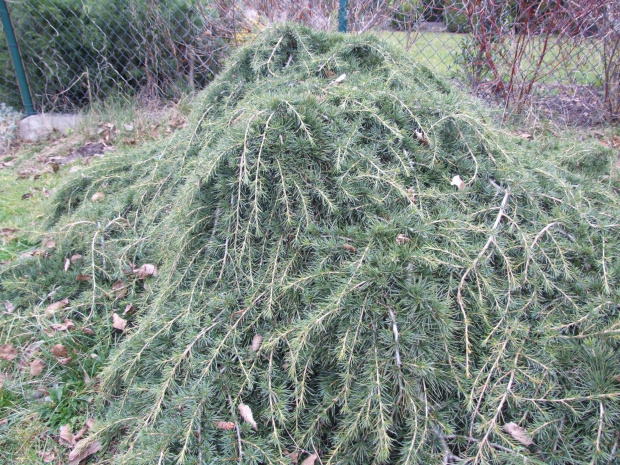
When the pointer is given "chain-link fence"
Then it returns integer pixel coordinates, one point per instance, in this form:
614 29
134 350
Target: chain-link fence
560 56
77 51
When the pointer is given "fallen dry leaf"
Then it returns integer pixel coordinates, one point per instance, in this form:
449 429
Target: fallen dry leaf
54 307
294 456
8 231
47 457
401 239
65 436
458 182
526 136
97 196
128 127
310 459
145 271
76 257
82 278
10 308
128 309
411 195
67 264
224 425
118 322
88 331
257 340
36 367
7 352
350 248
50 244
246 414
518 433
65 360
32 349
422 137
60 351
55 166
239 313
340 79
66 326
26 196
80 434
82 450
120 289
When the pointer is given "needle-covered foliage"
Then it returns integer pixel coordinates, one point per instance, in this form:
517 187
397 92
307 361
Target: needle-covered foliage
320 269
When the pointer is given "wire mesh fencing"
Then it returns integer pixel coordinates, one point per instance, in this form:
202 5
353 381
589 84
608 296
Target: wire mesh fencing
562 57
559 58
78 51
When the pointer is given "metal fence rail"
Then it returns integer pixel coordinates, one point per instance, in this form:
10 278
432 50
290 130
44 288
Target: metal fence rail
562 56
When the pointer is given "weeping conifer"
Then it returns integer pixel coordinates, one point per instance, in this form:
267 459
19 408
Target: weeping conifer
351 262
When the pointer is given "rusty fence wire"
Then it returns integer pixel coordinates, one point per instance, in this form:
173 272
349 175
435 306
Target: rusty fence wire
561 57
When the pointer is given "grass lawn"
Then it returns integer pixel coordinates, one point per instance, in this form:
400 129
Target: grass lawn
22 209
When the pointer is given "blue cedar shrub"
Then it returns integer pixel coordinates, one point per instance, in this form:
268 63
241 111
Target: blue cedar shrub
317 266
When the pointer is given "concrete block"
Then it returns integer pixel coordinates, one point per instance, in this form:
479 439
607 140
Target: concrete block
38 127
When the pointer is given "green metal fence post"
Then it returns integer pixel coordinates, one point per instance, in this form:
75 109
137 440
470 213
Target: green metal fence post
342 16
18 64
